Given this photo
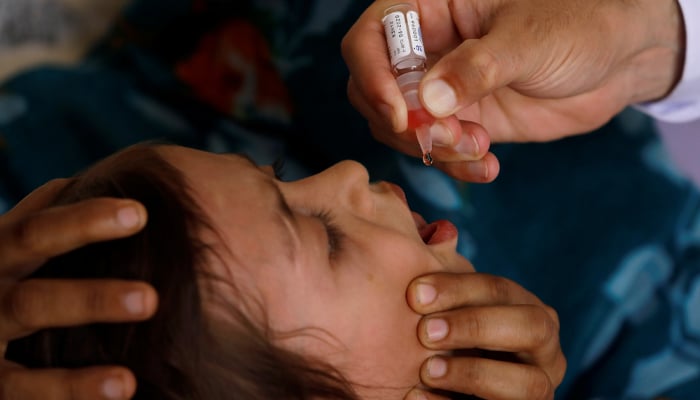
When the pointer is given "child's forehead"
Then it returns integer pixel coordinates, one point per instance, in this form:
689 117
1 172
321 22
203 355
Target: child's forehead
199 159
133 157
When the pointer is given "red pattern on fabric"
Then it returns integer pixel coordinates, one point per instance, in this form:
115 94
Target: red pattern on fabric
233 70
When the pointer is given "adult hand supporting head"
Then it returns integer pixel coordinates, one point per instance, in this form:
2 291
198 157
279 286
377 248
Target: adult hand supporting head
504 340
30 233
523 70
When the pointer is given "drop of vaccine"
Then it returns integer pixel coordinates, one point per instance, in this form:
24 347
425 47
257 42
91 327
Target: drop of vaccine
427 159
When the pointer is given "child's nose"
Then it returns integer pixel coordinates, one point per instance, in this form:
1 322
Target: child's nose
349 172
346 182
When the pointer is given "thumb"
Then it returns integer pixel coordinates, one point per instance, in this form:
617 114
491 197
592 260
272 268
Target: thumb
470 72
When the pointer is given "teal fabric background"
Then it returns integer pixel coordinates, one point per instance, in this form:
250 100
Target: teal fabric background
600 226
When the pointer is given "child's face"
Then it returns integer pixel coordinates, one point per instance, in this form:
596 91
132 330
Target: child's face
346 282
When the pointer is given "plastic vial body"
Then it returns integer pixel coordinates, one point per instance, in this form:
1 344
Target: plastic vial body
408 62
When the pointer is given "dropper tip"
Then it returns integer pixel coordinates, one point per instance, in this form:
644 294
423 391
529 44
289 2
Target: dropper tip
425 141
427 159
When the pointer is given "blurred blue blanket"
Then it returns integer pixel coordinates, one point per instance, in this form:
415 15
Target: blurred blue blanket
600 226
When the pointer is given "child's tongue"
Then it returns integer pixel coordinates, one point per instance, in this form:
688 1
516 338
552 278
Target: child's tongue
426 232
438 232
435 232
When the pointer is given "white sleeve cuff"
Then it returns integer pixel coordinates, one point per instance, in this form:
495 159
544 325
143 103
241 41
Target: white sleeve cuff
683 104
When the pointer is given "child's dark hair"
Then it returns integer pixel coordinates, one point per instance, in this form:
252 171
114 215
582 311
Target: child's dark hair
180 353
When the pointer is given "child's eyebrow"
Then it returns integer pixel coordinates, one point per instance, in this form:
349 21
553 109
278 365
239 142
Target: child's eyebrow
287 219
281 201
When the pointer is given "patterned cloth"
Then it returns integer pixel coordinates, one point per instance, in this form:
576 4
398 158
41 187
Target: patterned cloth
600 226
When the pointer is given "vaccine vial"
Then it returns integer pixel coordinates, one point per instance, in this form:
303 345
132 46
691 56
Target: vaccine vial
408 62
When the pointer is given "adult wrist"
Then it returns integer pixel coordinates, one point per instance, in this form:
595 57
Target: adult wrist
659 67
682 103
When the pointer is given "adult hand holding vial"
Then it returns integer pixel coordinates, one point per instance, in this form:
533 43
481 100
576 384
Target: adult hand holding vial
405 43
460 148
520 71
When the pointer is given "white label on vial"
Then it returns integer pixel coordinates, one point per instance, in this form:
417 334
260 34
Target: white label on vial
403 37
415 32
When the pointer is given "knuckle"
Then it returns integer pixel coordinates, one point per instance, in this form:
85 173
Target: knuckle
469 373
499 288
451 297
473 374
19 384
553 315
26 234
22 384
473 327
8 385
95 302
548 330
74 390
450 290
560 369
345 45
24 302
57 183
539 387
486 68
353 95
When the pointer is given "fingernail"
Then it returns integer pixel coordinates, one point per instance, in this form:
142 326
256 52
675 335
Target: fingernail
468 145
134 302
437 367
418 395
439 97
113 388
436 329
128 217
440 134
478 169
425 294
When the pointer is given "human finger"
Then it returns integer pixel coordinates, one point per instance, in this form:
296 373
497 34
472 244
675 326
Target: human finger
407 142
420 394
455 140
484 170
372 113
498 48
487 378
378 118
42 303
543 49
365 53
478 165
36 200
444 291
468 140
472 71
94 383
31 239
487 312
514 329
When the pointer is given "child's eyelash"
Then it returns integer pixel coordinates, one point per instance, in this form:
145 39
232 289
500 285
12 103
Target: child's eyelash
336 237
278 168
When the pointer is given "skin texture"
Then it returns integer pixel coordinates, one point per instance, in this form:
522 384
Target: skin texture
329 259
513 70
29 234
339 296
520 356
346 291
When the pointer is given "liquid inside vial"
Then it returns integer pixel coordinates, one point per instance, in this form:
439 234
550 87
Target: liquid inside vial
404 39
408 61
418 117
